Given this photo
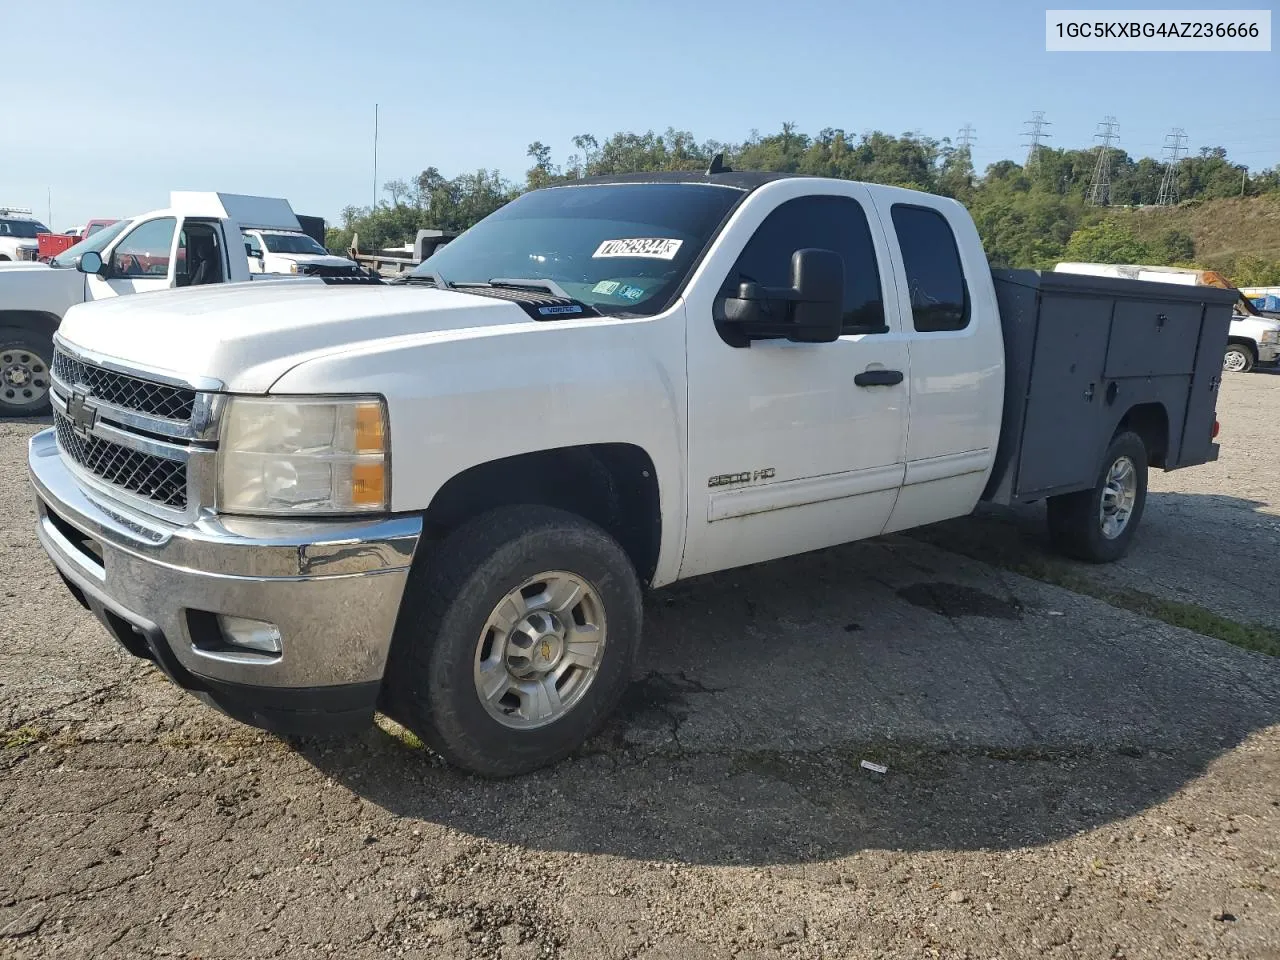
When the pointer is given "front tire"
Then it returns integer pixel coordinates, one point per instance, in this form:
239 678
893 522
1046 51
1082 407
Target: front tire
515 640
25 360
1097 525
1239 358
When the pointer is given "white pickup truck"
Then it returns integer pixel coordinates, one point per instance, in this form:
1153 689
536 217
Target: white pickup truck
287 251
18 232
195 241
442 497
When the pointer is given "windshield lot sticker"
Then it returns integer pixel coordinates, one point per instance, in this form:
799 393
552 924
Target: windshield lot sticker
607 287
631 293
651 248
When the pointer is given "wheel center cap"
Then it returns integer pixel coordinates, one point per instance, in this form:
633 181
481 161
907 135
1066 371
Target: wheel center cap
537 642
17 376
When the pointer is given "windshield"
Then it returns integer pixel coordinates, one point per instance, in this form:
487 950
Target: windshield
95 227
292 243
621 248
98 242
26 229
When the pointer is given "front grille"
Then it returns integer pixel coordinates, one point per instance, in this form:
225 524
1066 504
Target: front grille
132 393
156 478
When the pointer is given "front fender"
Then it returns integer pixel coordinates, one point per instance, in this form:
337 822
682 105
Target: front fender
38 288
485 394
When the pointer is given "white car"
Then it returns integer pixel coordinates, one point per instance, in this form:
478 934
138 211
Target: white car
442 497
287 251
18 230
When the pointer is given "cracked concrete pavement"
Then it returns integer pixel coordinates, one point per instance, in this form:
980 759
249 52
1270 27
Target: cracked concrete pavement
1065 778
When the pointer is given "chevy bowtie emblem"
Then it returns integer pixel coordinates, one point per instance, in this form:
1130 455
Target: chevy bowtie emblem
83 415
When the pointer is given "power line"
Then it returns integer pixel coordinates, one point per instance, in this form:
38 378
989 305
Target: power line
1100 185
1037 123
1174 147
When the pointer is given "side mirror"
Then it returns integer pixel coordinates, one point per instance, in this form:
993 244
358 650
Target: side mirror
811 310
91 262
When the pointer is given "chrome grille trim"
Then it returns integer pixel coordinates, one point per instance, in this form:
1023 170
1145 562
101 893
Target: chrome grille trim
157 478
149 455
156 401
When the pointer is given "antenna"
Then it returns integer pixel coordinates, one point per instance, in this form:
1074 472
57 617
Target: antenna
1037 123
1174 148
1100 186
717 165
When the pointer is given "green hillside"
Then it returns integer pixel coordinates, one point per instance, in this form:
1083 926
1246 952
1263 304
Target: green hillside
1227 234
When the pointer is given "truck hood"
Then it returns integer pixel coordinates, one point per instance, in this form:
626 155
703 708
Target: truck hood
305 259
15 266
248 335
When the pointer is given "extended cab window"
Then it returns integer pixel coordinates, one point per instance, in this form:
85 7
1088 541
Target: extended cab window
935 278
829 223
145 252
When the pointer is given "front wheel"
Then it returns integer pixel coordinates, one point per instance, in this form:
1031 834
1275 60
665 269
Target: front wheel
1096 525
25 358
1238 358
515 641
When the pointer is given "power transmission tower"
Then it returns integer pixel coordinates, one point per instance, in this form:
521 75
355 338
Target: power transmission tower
1035 134
966 139
1174 148
1100 186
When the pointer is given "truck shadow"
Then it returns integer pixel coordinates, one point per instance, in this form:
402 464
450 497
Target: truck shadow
1009 712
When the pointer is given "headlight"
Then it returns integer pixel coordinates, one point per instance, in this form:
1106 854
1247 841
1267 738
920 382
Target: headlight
293 267
304 455
1270 336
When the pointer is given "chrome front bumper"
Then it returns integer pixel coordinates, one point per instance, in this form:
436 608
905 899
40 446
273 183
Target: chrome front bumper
332 588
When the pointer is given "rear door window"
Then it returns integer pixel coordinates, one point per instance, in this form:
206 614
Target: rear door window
935 277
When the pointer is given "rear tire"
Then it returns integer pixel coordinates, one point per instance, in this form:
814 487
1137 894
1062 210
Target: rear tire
1097 525
25 359
1239 358
493 663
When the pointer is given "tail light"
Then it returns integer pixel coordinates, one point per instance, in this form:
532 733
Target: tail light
1214 435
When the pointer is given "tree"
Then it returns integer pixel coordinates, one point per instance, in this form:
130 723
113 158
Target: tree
1026 217
1107 242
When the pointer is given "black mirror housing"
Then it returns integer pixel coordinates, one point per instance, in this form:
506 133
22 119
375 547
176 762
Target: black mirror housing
817 280
811 310
91 262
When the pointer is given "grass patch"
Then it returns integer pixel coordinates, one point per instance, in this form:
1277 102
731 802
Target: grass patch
407 737
1011 553
23 736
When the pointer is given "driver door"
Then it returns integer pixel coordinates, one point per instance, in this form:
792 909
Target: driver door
141 260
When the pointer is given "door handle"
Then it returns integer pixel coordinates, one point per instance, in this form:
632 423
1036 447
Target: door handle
878 378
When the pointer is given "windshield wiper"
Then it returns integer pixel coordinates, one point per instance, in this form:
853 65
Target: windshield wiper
516 283
427 276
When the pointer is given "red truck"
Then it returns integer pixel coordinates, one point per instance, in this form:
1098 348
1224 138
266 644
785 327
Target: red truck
52 244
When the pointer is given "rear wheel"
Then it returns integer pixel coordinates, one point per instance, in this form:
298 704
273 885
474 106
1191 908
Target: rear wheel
1239 358
25 358
1096 525
515 641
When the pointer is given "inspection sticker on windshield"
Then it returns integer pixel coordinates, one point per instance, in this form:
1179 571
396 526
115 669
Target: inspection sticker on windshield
607 287
652 248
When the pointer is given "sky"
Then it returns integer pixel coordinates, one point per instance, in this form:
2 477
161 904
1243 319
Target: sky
126 102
